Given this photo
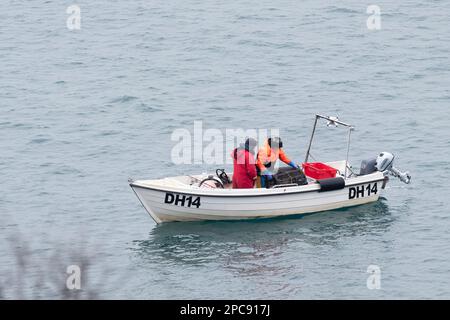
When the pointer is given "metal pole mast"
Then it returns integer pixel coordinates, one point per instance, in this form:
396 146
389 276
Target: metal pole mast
310 141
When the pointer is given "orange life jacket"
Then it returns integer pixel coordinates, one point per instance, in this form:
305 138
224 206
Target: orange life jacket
268 156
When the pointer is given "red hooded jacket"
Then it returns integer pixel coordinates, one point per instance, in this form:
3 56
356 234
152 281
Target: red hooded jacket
244 169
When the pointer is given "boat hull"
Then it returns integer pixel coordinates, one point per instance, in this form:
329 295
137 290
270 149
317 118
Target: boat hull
165 205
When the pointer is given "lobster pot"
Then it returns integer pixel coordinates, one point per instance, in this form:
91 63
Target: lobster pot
288 175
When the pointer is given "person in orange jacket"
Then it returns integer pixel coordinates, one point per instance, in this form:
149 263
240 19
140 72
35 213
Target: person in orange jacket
267 156
244 170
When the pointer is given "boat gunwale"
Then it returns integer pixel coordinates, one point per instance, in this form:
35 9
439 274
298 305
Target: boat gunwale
290 192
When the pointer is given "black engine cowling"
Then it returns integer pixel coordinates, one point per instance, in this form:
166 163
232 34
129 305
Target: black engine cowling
368 167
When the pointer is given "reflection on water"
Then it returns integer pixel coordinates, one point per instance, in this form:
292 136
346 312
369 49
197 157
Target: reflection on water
250 247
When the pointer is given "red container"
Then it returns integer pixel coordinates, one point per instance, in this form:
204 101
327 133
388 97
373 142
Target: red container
318 170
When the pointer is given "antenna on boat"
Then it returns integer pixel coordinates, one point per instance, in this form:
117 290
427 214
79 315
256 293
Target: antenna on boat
331 121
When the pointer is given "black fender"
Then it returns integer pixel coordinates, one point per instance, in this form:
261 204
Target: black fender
331 184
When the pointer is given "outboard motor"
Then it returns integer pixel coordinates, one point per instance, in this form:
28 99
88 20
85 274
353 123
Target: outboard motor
384 163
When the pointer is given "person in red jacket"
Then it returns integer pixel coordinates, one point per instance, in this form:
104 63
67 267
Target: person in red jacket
244 174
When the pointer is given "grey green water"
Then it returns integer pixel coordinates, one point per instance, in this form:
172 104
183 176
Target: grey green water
81 111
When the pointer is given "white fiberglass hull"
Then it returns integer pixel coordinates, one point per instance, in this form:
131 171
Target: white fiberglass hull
176 203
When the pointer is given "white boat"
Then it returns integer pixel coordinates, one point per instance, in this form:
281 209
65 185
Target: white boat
193 198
